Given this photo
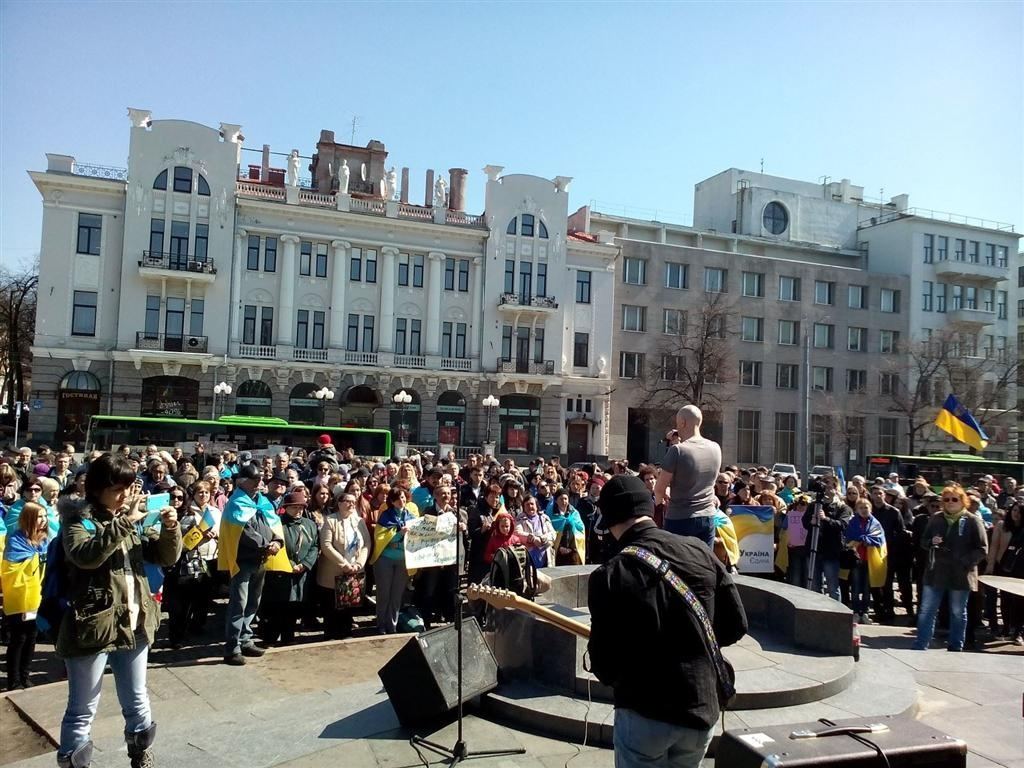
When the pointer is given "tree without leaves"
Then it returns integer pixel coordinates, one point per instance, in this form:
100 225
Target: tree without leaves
17 325
919 365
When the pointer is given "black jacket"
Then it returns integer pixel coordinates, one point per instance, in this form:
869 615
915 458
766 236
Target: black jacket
830 537
897 537
645 642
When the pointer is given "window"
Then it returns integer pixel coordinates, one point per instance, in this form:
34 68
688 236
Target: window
417 270
538 345
785 437
631 365
856 381
634 318
750 373
789 332
302 329
506 342
460 340
83 314
634 271
202 185
511 228
270 254
370 265
161 180
1001 256
956 301
677 275
195 320
988 299
179 244
990 255
352 342
248 322
787 376
675 322
821 439
510 276
715 280
182 179
857 297
942 254
973 252
929 249
542 279
824 292
526 225
752 329
821 378
202 241
368 333
824 335
775 219
890 301
152 317
400 333
927 287
415 337
971 297
318 329
1001 298
464 275
267 326
525 280
582 285
959 249
542 228
449 274
887 341
581 350
321 262
90 227
174 322
403 269
753 284
888 435
673 368
789 288
355 265
748 437
156 235
888 383
306 258
940 297
856 339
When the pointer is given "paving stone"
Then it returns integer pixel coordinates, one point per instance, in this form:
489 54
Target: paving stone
976 687
985 730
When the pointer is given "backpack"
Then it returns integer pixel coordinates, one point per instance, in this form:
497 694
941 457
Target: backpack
56 586
1012 561
513 569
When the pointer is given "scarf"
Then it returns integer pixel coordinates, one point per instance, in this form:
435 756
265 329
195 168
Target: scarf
498 540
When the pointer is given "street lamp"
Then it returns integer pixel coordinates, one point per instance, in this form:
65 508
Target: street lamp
19 408
223 389
401 399
490 403
324 395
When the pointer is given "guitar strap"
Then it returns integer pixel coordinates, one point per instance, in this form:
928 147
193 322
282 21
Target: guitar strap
725 680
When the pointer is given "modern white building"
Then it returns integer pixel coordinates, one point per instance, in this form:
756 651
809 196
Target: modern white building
193 267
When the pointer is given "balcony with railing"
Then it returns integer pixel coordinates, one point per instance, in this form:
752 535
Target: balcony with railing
360 358
971 316
163 342
257 351
410 361
972 271
515 302
457 364
528 367
160 263
302 355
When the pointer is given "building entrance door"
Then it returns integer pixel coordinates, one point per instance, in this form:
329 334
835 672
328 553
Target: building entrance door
577 442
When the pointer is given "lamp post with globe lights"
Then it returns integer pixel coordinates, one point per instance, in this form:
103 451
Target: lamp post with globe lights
223 389
324 395
490 403
401 399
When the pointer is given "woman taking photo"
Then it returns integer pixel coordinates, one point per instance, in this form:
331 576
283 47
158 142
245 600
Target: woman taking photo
112 617
21 573
344 548
955 542
389 560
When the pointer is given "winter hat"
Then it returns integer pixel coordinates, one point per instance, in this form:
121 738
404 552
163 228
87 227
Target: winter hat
324 440
623 498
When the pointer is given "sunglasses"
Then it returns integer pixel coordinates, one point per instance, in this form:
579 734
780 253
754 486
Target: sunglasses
178 498
35 489
951 498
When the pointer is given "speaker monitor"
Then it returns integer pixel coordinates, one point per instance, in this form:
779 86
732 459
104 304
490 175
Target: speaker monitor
421 680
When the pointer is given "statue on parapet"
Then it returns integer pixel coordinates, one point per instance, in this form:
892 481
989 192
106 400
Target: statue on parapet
440 193
293 169
343 176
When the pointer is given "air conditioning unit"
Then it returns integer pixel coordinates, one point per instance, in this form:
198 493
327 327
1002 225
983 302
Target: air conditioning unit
194 342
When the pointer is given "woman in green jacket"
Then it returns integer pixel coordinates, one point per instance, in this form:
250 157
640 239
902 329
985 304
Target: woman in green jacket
112 617
285 594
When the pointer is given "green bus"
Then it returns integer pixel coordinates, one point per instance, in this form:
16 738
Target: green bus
938 469
244 433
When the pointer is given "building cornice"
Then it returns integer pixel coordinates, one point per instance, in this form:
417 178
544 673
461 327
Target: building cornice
48 181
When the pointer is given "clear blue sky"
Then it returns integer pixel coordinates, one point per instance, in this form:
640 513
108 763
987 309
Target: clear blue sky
637 102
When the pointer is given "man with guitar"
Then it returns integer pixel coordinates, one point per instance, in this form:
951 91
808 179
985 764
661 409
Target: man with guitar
651 641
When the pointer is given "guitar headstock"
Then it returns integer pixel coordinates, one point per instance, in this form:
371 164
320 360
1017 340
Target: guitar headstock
498 598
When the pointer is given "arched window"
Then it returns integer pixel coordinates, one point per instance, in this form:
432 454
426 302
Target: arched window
543 230
170 396
512 226
358 405
303 407
81 381
451 418
78 398
405 419
182 179
527 225
161 180
519 421
204 187
254 398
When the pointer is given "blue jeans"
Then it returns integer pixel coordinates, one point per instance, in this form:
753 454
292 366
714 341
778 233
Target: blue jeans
830 570
85 681
644 743
702 528
243 603
929 610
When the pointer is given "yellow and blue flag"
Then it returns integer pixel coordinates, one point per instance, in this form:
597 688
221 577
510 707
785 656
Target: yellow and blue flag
956 420
21 573
240 509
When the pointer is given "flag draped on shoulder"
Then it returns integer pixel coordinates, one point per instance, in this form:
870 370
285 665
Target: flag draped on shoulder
957 421
240 509
21 573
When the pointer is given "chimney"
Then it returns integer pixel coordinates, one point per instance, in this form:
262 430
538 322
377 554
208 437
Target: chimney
457 189
265 167
902 202
404 196
428 200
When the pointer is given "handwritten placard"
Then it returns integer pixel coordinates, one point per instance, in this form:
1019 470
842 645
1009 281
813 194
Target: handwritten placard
430 542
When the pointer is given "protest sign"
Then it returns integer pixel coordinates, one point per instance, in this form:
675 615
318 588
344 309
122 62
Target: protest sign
755 533
430 542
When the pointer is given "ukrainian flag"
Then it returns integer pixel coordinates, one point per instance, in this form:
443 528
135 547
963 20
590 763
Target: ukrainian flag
957 421
21 573
240 509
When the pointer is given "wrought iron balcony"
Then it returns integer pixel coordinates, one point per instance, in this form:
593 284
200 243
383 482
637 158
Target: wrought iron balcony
166 343
177 262
520 365
516 301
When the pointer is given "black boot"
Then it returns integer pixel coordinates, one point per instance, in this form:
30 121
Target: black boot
80 758
139 744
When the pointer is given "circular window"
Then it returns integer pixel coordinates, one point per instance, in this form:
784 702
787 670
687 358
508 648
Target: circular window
775 218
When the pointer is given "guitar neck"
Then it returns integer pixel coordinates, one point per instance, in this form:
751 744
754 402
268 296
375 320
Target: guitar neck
562 622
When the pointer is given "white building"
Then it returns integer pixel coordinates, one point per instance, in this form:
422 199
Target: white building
185 270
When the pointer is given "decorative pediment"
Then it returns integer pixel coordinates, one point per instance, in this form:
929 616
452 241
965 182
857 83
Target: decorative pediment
282 377
171 369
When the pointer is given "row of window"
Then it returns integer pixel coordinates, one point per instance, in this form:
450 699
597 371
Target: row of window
851 430
936 248
526 283
939 297
182 181
178 244
787 376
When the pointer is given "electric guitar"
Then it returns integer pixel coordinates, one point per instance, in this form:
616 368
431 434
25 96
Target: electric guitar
503 598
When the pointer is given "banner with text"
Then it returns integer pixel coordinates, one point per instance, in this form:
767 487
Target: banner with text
755 532
430 541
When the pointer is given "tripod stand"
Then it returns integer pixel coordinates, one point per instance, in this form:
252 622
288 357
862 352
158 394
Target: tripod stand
812 559
460 751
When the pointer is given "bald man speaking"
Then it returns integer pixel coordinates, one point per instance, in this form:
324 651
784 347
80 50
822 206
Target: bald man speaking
688 472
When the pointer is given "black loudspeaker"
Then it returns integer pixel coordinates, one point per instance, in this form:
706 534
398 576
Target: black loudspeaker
422 678
906 743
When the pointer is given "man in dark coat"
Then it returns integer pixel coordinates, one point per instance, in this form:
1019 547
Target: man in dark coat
645 641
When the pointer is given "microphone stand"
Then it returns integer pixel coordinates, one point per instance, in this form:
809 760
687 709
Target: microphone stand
460 751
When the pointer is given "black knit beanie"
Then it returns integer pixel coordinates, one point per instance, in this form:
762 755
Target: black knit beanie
623 498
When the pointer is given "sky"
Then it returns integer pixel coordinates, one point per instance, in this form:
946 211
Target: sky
636 101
